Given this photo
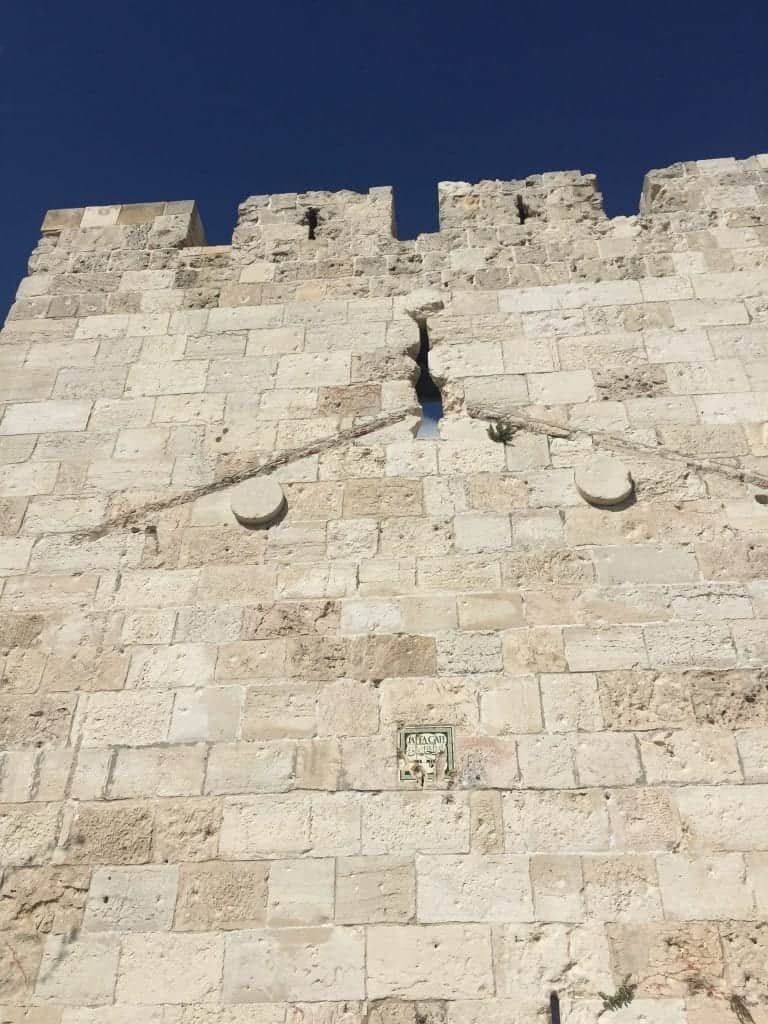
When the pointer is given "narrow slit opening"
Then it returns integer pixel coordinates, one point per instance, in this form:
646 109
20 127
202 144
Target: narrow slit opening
554 1008
311 220
427 392
523 213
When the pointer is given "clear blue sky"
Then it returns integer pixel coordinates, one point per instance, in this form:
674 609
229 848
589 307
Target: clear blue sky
178 99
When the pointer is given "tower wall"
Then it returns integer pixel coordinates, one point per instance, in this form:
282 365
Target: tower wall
210 813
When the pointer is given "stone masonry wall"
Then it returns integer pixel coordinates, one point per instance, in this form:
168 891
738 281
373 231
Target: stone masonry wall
202 819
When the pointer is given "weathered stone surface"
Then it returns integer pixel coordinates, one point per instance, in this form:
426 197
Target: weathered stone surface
203 819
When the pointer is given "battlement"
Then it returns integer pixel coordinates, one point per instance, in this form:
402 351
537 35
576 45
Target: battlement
547 228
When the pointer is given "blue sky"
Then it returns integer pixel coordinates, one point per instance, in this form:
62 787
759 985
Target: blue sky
140 101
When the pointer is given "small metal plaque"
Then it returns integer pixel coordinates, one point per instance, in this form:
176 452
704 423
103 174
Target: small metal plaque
425 752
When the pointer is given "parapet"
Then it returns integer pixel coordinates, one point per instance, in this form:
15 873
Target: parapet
132 226
539 199
359 222
700 185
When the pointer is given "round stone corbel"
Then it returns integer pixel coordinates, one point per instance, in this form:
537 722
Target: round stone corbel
258 502
604 481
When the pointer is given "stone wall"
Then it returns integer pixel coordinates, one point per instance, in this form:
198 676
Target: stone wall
203 818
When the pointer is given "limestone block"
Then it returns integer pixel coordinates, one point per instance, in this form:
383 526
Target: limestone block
644 819
724 817
603 759
744 945
471 888
317 369
705 887
130 718
623 888
555 822
348 708
186 830
372 616
382 497
280 711
221 896
325 824
28 479
131 899
378 657
174 666
408 535
301 892
82 971
531 960
435 962
157 771
590 650
372 890
663 957
173 378
261 659
468 653
558 886
106 833
401 823
752 745
352 538
211 714
40 720
179 968
570 703
482 532
250 768
429 701
702 755
271 965
690 645
546 762
534 650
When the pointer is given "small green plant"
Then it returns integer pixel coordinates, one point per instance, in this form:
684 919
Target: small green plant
623 996
501 431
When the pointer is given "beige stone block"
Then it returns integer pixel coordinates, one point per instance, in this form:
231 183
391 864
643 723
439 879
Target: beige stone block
301 892
570 702
469 653
513 708
131 899
663 957
28 479
429 701
546 762
690 756
371 890
458 573
271 965
245 318
348 708
534 650
378 657
221 896
157 771
186 830
106 833
491 888
260 659
529 355
423 962
180 377
172 666
317 369
401 823
324 824
27 834
250 768
645 563
621 888
753 744
605 759
227 583
644 819
558 886
714 887
382 497
724 817
124 719
206 715
482 532
485 822
496 492
491 610
80 971
158 968
590 650
371 616
555 822
43 720
280 711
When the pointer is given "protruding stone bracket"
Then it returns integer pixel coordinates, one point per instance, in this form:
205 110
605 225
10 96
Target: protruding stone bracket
258 503
604 481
